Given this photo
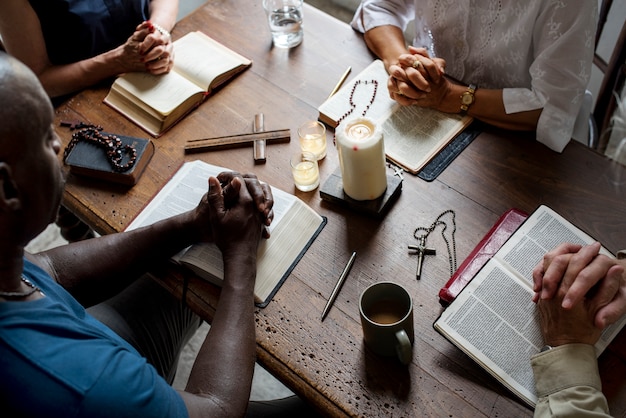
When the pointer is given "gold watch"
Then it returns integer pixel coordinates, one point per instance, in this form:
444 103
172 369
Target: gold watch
467 98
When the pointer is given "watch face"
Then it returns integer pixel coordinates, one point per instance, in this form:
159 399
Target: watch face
467 98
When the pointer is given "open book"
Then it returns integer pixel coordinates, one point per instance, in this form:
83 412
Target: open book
413 135
156 102
293 230
493 319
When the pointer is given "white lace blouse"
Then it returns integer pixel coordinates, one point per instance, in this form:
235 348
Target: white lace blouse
538 51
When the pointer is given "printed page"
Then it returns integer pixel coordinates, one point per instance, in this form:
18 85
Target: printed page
337 106
412 134
495 322
202 59
294 225
541 232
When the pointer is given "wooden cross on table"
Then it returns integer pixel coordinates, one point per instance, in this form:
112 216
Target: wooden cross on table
421 251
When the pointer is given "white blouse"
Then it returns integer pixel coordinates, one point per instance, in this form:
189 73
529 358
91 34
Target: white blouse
538 51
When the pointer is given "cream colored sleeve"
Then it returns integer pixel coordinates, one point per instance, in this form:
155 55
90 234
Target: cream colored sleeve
568 383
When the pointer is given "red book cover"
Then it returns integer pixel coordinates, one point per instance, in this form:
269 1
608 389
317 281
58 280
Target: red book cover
486 248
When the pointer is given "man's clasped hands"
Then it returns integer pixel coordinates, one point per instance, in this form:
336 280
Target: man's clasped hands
579 292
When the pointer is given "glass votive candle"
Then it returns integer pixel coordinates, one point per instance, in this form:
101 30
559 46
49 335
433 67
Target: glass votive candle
312 136
306 174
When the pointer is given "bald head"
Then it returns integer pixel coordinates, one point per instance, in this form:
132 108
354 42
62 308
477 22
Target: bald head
26 107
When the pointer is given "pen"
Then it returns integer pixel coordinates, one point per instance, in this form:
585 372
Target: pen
341 80
342 279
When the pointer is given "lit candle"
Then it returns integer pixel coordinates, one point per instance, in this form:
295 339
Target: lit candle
362 159
305 171
312 136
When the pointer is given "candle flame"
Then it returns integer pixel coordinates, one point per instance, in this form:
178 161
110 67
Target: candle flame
360 131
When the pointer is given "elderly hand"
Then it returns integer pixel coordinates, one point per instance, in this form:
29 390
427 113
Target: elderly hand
561 326
589 277
418 79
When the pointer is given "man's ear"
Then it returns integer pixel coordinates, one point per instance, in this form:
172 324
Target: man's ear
9 194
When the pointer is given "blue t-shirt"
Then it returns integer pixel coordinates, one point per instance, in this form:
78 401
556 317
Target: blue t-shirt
56 360
78 29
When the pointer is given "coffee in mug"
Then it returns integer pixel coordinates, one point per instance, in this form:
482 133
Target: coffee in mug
386 312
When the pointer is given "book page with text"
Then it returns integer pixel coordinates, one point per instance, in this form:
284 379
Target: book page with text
413 135
293 226
543 231
336 106
496 323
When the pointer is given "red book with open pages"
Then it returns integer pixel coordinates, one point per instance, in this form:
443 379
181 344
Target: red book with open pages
486 248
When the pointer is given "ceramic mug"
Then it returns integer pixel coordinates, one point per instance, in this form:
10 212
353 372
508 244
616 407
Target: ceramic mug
387 320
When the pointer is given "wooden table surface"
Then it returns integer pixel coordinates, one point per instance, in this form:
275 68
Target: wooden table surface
326 362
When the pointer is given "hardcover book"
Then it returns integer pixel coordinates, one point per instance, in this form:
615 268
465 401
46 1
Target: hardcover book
494 320
413 135
486 248
90 160
293 230
156 102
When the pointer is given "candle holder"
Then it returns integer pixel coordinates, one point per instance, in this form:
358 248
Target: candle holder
305 171
312 136
332 191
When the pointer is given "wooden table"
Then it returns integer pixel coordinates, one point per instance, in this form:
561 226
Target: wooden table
326 362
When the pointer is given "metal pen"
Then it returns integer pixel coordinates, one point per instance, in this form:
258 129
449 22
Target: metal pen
341 80
335 292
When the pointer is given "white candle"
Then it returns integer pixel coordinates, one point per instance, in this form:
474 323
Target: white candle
362 159
305 171
312 136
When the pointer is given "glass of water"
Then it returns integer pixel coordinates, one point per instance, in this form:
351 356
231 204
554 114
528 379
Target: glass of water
285 20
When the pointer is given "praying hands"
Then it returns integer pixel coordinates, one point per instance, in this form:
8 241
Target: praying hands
418 79
591 278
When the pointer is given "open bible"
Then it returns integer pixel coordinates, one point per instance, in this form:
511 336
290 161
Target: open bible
413 135
493 319
156 102
293 230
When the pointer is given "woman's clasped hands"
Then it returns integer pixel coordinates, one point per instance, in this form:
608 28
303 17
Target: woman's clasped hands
418 79
149 49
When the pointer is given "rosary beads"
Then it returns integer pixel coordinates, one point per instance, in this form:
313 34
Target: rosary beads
353 105
112 145
421 249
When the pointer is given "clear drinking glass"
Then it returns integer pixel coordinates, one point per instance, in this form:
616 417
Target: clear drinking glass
285 21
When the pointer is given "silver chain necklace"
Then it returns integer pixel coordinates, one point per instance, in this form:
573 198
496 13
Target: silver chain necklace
421 249
21 295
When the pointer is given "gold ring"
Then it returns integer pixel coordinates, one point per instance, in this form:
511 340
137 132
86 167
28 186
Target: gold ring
416 64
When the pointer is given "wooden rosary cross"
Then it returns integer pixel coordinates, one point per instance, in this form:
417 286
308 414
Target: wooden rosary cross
421 251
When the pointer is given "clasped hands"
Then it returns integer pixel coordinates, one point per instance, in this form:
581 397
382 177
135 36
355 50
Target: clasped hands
418 79
579 292
235 212
149 49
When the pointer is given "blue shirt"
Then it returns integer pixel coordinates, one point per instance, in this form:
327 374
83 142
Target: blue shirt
56 360
78 29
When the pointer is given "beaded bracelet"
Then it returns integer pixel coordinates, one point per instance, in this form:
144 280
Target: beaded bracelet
162 30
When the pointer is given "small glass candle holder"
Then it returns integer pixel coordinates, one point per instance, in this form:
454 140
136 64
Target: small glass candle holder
306 174
312 136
